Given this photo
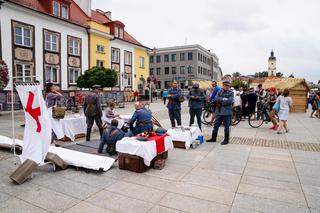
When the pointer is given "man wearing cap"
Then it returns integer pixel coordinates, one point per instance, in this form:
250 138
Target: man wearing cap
224 100
196 98
92 110
174 104
142 117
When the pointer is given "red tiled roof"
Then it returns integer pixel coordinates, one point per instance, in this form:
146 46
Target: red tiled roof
129 38
77 16
99 17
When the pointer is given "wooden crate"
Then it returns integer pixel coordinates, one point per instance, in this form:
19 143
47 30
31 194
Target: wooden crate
135 163
179 144
80 135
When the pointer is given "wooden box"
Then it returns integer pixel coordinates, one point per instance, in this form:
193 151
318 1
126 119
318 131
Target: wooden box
23 172
179 144
135 163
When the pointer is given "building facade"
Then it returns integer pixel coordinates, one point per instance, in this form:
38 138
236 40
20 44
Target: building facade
44 39
183 63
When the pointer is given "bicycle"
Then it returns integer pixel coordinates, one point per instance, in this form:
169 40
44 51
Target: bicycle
261 116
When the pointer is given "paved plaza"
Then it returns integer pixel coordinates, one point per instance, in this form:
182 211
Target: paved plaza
252 174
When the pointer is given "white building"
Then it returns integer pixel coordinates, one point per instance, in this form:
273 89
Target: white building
44 39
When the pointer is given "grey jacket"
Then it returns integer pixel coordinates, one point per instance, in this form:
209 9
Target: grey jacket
198 102
92 98
225 100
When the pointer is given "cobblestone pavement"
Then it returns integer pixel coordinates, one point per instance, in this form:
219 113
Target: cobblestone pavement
259 171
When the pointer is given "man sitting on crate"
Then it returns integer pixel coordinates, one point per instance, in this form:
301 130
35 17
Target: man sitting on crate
110 137
142 118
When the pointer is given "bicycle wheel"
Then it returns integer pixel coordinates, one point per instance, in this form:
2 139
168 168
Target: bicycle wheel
256 119
206 117
235 120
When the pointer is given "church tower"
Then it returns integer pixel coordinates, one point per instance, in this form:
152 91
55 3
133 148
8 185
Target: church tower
272 68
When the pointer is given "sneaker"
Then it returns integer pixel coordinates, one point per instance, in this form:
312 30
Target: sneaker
279 133
287 130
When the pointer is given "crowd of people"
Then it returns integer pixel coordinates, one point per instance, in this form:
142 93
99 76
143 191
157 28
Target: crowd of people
224 100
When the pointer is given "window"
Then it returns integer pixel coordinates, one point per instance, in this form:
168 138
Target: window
127 58
121 33
51 41
190 56
158 58
100 48
51 74
189 70
173 57
166 58
181 56
74 46
151 59
23 72
55 8
199 69
100 63
23 35
182 70
115 55
166 70
116 32
151 71
141 62
173 70
73 75
199 57
65 11
158 71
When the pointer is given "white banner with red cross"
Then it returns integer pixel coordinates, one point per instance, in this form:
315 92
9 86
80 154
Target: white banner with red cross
37 133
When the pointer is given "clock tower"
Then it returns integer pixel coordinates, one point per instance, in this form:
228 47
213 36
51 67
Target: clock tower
272 69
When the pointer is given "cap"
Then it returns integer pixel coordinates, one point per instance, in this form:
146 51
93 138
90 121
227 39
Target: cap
226 82
195 86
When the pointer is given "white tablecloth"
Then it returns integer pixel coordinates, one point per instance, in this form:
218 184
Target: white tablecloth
177 134
145 149
123 119
71 126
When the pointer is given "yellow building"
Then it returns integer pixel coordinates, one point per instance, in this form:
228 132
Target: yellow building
111 46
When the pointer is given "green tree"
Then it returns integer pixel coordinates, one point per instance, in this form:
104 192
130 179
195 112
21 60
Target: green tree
97 76
279 74
237 84
261 74
236 74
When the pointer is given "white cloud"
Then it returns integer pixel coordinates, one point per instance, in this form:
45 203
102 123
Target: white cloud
241 33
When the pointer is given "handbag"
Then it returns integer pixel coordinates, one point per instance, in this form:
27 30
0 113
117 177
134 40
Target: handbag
58 112
181 99
276 106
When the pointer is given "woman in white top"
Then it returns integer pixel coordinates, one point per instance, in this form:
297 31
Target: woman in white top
285 106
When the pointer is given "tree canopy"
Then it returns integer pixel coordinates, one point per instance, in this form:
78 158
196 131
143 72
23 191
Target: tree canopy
237 84
97 76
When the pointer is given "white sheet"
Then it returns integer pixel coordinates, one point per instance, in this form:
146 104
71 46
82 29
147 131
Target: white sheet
72 126
145 149
187 135
8 142
84 160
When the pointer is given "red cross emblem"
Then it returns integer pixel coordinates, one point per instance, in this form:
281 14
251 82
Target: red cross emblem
34 112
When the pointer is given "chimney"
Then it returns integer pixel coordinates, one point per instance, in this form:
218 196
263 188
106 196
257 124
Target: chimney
108 14
85 5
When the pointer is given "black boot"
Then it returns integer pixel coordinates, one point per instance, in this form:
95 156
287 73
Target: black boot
100 131
226 139
213 137
173 124
88 134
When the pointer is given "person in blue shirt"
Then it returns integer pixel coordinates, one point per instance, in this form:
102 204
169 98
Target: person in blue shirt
110 136
174 104
196 98
142 118
224 100
215 91
164 96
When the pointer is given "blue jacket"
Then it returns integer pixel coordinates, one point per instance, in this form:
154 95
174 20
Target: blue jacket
196 103
164 93
142 117
225 99
214 93
112 135
174 103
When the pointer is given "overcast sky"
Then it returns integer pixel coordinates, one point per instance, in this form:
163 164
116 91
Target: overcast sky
241 33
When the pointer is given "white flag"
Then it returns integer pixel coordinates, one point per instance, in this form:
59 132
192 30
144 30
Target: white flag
37 133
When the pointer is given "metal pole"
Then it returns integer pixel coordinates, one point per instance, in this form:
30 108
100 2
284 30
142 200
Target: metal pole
12 124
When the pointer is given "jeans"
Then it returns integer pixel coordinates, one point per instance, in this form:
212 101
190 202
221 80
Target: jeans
226 120
195 112
164 100
175 114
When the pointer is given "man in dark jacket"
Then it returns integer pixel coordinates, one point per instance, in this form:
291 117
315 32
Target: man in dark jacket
252 101
142 118
174 104
92 111
196 98
224 101
110 137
